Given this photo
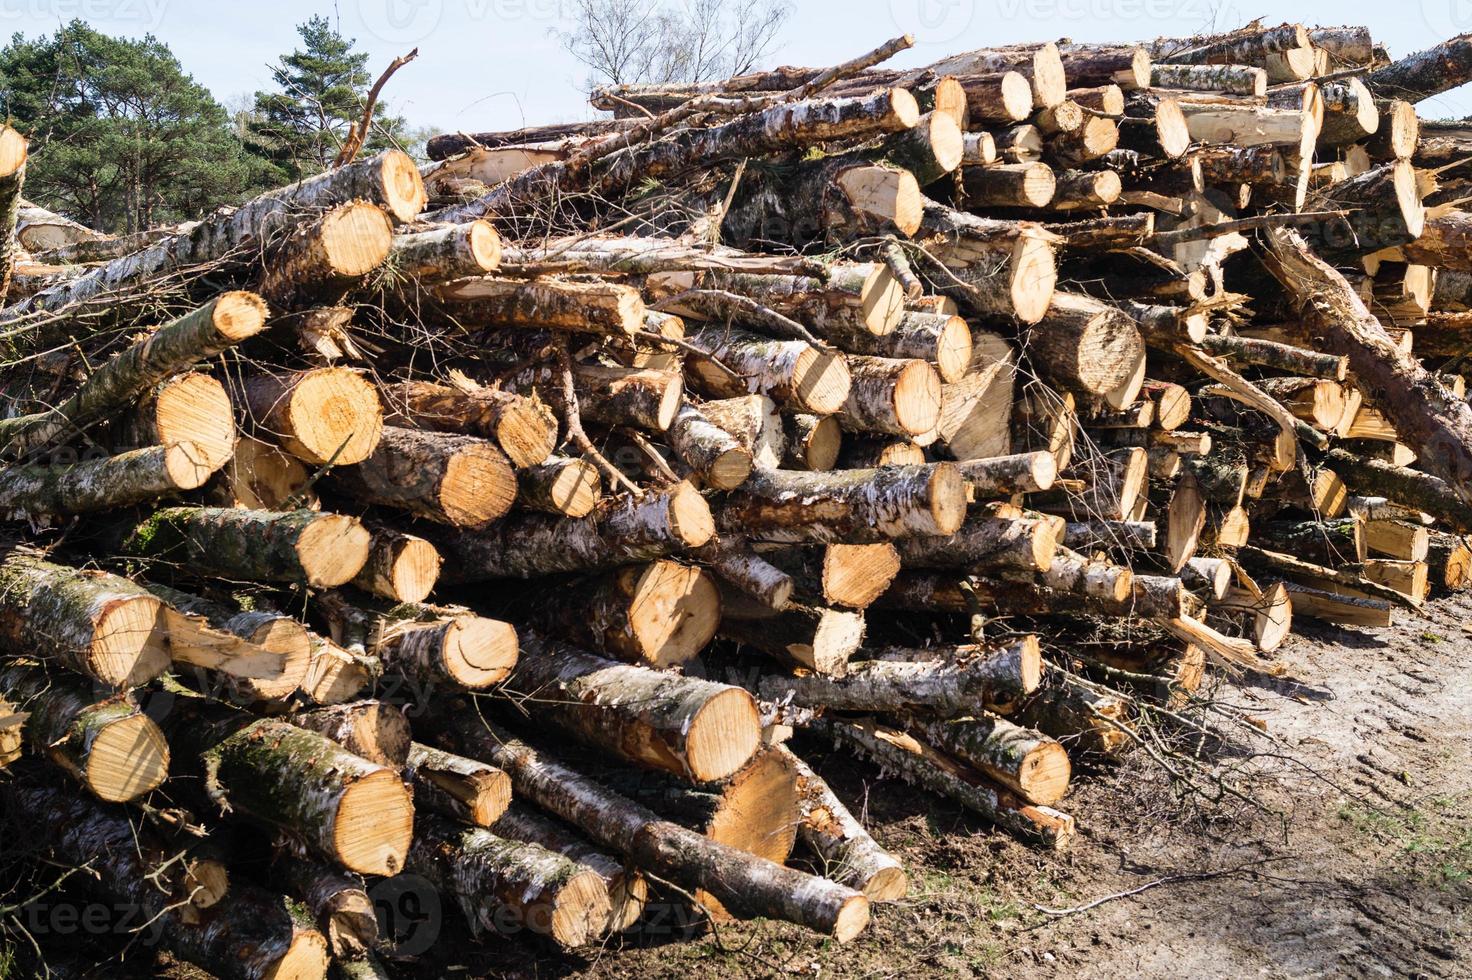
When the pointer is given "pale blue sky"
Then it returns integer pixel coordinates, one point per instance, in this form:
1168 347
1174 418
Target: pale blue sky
494 64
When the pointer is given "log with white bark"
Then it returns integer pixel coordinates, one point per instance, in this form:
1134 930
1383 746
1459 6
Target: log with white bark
250 935
400 566
689 727
339 903
525 429
791 372
1026 762
389 180
260 656
321 550
743 883
938 772
661 614
510 885
13 153
812 638
1086 345
852 506
457 480
453 786
987 542
1425 74
547 302
107 744
218 325
892 396
351 811
322 416
133 477
371 730
1005 267
622 531
959 686
99 625
442 252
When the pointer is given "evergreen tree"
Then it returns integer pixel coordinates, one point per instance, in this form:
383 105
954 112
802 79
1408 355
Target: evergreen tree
121 138
323 86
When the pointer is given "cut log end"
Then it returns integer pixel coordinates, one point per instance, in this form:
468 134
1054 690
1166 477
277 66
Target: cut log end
1049 77
403 189
374 824
1171 129
852 918
306 957
690 519
917 398
333 415
355 238
674 611
890 195
1045 773
947 498
128 645
238 315
479 652
819 445
723 735
332 549
485 245
854 575
187 465
13 151
1034 276
576 488
413 569
881 301
195 409
478 487
906 109
127 759
527 432
1016 96
821 381
580 910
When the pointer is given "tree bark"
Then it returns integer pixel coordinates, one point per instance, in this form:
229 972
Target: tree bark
109 483
107 744
251 935
848 506
525 429
924 766
1420 76
625 531
456 787
322 550
661 614
443 252
452 479
743 883
99 625
209 330
1030 764
351 811
689 727
997 676
389 180
792 372
508 885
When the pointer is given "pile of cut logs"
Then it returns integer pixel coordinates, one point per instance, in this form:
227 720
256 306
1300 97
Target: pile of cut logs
505 522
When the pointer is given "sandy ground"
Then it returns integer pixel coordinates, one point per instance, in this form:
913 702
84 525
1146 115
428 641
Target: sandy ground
1361 866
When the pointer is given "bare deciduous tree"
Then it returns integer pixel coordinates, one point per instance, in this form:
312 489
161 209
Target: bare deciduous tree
629 41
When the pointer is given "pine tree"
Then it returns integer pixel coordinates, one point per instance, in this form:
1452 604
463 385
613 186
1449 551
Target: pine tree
121 138
322 89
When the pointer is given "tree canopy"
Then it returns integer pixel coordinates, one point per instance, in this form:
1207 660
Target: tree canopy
121 137
321 89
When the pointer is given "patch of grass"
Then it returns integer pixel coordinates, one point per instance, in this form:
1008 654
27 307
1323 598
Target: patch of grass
1433 637
1440 851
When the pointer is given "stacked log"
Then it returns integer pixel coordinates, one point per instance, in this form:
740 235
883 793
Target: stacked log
535 567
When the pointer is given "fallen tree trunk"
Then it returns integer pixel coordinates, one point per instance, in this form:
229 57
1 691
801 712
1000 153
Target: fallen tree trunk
625 530
997 676
853 506
1425 415
456 787
525 429
452 479
351 811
